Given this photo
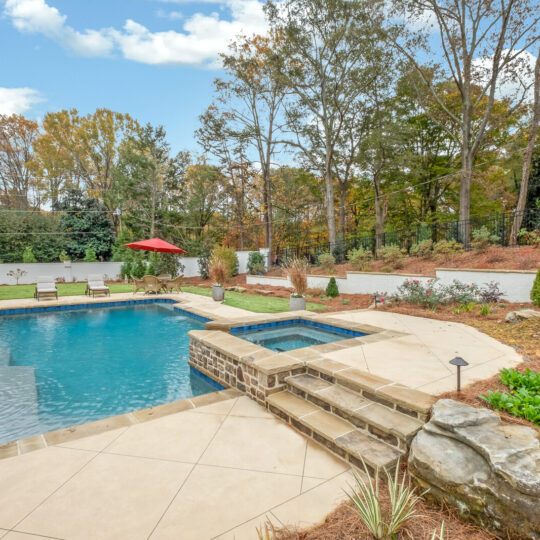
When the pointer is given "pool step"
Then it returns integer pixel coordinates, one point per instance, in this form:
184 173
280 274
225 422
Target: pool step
375 419
413 403
337 434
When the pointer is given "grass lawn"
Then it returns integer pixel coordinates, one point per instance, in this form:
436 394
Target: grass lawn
10 292
250 302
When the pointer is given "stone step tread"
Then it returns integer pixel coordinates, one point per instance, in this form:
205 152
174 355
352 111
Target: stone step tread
380 416
338 431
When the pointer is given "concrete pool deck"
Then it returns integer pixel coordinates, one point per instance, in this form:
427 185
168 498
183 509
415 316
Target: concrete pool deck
218 471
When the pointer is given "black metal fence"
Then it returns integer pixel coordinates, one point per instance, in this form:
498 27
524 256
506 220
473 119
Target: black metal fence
499 225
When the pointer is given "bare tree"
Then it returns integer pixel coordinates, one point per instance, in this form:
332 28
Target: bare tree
527 156
482 43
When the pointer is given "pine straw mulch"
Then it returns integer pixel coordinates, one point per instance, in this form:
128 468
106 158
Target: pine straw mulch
343 523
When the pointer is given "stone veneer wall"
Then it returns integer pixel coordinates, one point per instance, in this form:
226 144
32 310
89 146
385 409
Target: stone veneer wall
240 372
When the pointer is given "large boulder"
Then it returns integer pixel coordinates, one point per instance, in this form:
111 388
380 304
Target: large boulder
488 469
522 315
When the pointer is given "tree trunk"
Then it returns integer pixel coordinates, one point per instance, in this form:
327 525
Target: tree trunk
330 211
527 157
267 211
342 200
380 215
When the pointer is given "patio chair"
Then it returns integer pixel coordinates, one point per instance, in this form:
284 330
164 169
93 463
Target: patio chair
45 287
138 284
164 277
96 285
152 284
174 284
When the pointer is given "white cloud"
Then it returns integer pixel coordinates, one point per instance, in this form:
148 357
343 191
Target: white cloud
516 79
172 15
201 40
36 16
17 100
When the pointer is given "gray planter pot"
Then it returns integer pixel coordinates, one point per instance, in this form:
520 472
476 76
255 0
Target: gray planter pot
218 293
297 303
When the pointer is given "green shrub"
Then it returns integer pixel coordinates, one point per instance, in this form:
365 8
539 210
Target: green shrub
63 256
422 249
535 292
327 263
447 248
255 263
138 269
229 257
523 400
332 288
150 269
339 253
530 238
414 291
391 255
461 292
125 270
359 258
482 238
387 269
28 255
90 254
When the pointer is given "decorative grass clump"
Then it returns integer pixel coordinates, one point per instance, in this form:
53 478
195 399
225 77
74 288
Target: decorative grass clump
296 270
218 270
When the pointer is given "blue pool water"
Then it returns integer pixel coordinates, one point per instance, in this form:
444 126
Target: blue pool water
290 335
65 368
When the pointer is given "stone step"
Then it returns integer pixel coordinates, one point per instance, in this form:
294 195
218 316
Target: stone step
334 432
374 388
389 425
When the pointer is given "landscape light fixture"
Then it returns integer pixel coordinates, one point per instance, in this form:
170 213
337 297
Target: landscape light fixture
459 362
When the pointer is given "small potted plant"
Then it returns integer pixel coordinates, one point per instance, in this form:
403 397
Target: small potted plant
296 270
218 274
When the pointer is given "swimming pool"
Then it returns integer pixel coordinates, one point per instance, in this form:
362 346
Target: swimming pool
293 334
63 368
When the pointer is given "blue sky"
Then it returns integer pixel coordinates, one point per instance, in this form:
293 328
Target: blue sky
153 59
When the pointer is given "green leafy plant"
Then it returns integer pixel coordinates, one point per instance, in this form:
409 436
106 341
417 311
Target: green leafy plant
126 270
229 258
339 253
366 499
255 263
485 310
332 288
523 400
359 258
422 249
446 249
535 291
90 255
345 301
391 255
63 256
28 255
468 307
463 293
387 269
138 269
327 262
482 238
531 238
414 291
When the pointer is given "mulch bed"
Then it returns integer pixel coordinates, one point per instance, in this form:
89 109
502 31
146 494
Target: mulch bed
518 258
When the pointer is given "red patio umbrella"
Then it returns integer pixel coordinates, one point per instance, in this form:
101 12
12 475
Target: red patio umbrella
155 245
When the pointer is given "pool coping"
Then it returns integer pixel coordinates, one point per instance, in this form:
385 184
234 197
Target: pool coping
52 438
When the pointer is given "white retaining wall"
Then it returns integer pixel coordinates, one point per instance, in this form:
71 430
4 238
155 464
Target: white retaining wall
68 271
515 284
78 271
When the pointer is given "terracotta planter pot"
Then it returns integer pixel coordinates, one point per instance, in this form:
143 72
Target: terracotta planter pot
297 303
218 293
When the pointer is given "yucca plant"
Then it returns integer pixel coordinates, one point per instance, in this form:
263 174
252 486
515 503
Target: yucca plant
367 502
438 535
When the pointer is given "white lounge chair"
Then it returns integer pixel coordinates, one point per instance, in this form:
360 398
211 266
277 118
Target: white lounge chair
96 285
45 287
